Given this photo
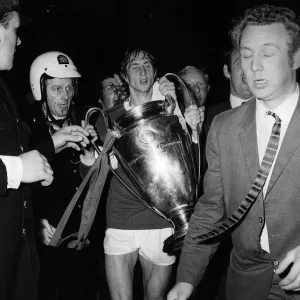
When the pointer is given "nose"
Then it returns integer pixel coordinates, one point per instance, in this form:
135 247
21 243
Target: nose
256 64
65 95
143 70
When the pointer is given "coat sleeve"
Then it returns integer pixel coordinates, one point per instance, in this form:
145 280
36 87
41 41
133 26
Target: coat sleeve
209 213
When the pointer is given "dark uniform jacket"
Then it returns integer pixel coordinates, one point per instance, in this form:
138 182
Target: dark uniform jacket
18 260
51 202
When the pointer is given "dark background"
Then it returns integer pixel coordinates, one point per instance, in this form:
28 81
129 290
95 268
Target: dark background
96 33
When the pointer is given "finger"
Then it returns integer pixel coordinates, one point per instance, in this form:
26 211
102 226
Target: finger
162 80
202 108
47 164
48 170
75 128
79 137
95 139
83 124
47 180
44 159
46 241
292 275
53 229
73 145
117 77
289 258
293 285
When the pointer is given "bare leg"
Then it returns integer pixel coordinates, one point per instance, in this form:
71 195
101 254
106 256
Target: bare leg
156 279
119 273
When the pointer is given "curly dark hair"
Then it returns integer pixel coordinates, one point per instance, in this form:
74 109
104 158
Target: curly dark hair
6 11
132 54
266 15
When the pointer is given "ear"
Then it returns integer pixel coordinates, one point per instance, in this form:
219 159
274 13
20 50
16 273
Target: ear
226 72
296 60
124 77
208 88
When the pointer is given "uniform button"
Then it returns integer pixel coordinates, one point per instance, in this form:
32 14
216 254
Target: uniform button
75 171
260 219
17 120
25 204
34 119
275 263
24 231
76 188
79 206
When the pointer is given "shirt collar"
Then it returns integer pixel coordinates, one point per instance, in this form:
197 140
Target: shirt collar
284 111
236 101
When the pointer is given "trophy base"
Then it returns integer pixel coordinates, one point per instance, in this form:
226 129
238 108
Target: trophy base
174 242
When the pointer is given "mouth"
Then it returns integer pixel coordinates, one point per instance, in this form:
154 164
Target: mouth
260 83
64 105
144 81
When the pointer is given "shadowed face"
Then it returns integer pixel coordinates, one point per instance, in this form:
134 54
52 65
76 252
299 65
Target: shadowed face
238 82
60 92
108 94
8 41
196 80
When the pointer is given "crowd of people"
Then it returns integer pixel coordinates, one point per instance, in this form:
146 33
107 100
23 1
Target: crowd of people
242 240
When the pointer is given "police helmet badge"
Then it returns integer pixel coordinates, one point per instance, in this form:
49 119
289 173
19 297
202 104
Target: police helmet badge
62 59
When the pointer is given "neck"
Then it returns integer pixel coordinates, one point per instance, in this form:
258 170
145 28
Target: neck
138 98
274 103
243 97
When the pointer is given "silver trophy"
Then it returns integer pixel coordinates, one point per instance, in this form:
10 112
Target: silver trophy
156 154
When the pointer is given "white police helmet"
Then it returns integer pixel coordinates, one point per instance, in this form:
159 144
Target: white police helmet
55 64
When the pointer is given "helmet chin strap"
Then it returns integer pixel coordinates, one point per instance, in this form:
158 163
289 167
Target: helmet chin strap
52 120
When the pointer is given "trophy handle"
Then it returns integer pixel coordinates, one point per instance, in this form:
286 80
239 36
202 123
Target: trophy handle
186 92
187 98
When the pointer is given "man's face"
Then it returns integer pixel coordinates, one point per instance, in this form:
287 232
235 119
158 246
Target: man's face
140 74
60 92
195 79
8 42
265 62
109 96
238 83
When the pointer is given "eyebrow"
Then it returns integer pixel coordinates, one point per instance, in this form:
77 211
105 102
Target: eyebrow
264 45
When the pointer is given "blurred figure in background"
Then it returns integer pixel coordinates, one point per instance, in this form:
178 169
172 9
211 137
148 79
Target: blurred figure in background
198 81
113 92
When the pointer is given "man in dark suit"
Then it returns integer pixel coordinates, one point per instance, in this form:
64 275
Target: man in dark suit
265 260
18 167
239 90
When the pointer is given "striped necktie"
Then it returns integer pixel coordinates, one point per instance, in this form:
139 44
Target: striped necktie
256 187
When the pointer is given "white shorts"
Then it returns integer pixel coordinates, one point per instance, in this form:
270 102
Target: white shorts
149 243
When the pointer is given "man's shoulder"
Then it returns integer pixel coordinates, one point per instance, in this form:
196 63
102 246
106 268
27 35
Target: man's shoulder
218 108
234 116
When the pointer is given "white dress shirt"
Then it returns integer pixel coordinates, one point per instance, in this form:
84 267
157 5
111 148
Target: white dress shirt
236 101
264 125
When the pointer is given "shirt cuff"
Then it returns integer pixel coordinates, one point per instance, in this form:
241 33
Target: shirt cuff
14 170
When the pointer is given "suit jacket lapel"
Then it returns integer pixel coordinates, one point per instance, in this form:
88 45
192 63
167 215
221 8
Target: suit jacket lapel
248 139
290 144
